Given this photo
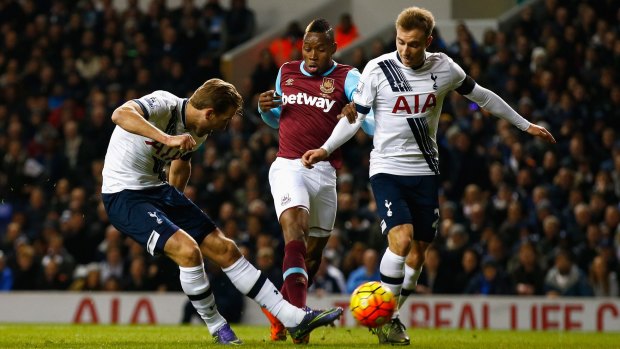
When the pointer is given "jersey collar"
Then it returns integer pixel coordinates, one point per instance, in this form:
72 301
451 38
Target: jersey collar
303 71
183 112
414 68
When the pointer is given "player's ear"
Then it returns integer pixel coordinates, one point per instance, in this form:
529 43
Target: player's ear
334 47
209 113
429 40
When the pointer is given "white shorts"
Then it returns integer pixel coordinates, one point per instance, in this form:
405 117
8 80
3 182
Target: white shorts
293 185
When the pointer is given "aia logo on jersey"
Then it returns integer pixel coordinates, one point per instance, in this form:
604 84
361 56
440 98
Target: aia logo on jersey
415 104
165 153
327 86
289 82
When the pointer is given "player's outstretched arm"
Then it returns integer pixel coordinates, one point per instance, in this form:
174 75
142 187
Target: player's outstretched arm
130 118
341 133
497 106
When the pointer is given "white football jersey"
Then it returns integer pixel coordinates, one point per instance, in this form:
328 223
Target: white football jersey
407 105
136 162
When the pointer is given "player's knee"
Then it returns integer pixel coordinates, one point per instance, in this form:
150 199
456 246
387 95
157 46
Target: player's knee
189 255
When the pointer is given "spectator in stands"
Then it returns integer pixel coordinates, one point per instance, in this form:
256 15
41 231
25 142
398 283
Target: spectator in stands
456 244
434 277
6 274
346 31
92 279
369 271
265 263
605 282
285 48
358 58
527 274
213 23
586 250
138 278
112 266
51 278
565 278
56 252
26 268
240 23
491 280
264 71
470 267
328 279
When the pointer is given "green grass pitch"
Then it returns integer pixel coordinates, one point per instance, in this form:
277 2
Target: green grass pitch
186 337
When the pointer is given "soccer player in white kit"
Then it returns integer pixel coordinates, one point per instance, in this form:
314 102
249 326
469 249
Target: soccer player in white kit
406 89
161 128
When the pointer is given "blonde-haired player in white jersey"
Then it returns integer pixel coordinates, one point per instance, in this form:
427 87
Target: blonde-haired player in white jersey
406 89
161 128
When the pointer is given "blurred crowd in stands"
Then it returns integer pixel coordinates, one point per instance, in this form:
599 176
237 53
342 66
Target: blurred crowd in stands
518 216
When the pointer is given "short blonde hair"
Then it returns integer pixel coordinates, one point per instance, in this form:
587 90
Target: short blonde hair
416 18
217 94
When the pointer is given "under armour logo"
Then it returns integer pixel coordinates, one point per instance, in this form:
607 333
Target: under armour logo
154 215
434 78
389 211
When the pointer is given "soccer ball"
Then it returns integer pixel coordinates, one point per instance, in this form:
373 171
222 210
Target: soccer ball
372 304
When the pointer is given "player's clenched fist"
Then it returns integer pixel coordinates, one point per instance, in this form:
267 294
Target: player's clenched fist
183 142
313 156
268 100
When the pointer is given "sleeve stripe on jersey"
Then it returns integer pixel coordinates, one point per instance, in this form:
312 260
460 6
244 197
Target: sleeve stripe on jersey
419 127
395 77
144 110
361 109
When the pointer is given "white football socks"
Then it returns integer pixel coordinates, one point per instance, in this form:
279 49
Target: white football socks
409 284
392 273
196 286
251 282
